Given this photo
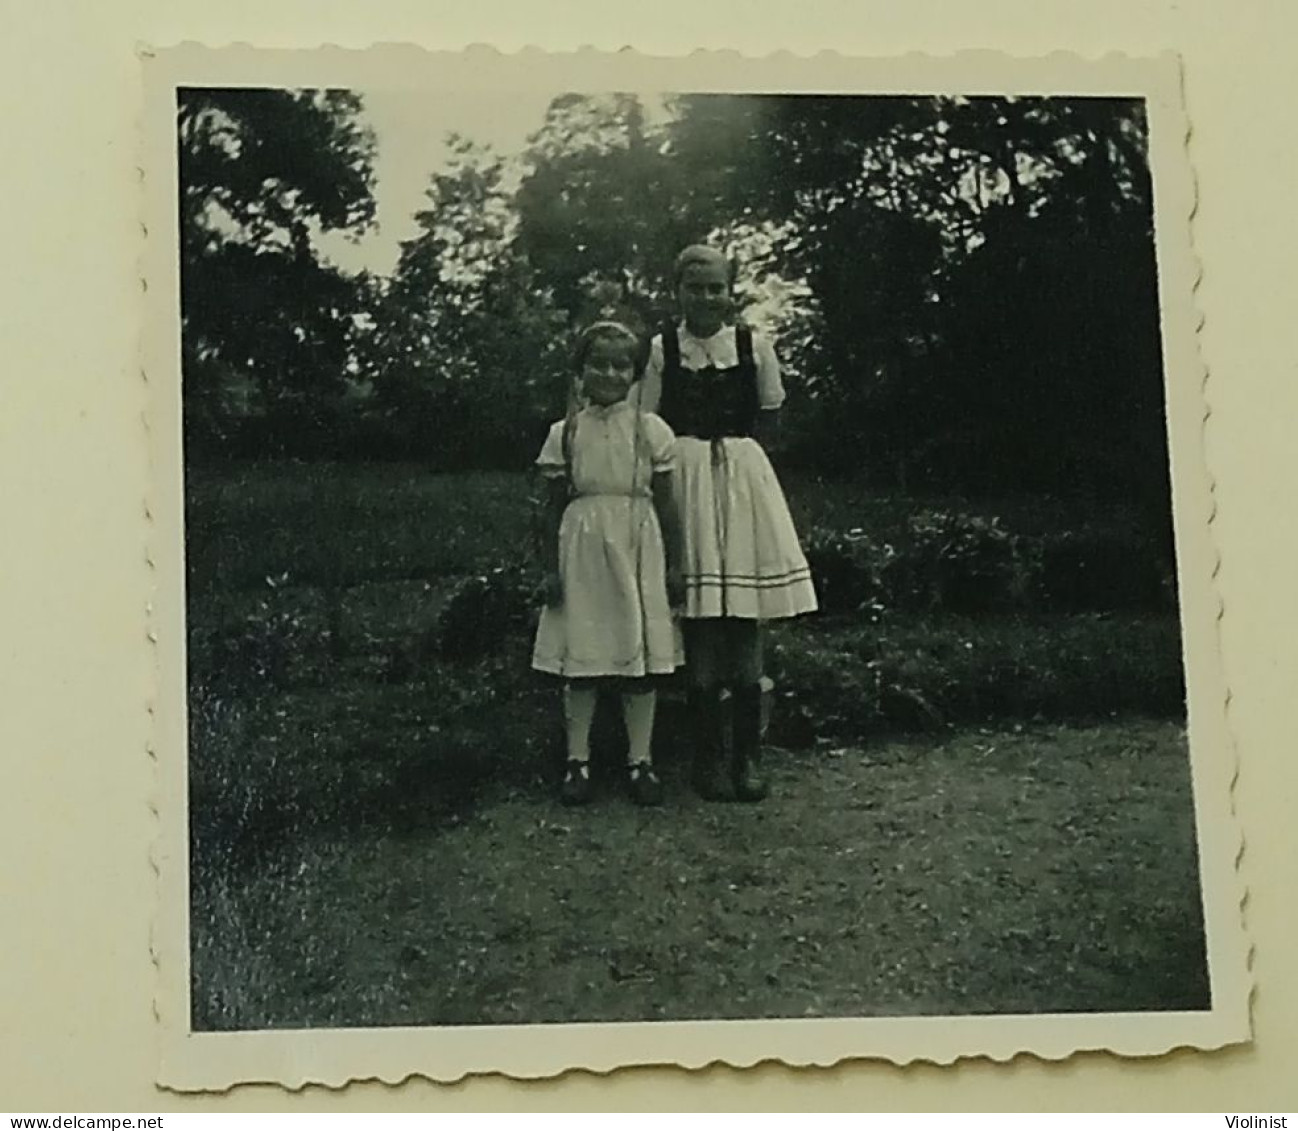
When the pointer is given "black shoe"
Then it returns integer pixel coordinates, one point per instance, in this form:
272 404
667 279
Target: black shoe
747 782
708 714
646 789
575 789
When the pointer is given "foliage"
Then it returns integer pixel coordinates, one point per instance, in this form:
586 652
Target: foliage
972 564
468 358
961 563
850 571
964 289
845 681
409 739
269 329
599 207
913 630
983 277
484 611
1098 568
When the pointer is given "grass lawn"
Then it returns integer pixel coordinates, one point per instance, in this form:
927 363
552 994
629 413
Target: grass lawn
388 522
1041 870
327 522
374 841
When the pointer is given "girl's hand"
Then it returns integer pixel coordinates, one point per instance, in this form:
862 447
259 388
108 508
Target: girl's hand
552 589
675 587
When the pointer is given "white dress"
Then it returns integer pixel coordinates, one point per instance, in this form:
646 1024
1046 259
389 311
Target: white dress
615 619
742 557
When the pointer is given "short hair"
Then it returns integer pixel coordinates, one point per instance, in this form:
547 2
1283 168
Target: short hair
698 254
610 331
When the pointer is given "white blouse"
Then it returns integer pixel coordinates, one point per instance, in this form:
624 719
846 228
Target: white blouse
719 350
615 450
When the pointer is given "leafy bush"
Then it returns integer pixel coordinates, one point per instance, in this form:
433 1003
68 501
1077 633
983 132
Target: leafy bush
965 564
1096 569
484 611
961 563
849 681
849 570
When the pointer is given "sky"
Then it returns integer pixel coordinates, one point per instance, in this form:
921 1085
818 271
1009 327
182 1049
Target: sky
411 127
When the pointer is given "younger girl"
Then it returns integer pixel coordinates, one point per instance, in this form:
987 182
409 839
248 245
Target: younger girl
717 384
611 535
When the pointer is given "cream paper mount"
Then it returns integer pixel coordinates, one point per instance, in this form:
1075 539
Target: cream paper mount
224 1014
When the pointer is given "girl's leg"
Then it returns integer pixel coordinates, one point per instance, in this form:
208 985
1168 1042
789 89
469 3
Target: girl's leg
703 652
638 704
744 671
579 701
744 658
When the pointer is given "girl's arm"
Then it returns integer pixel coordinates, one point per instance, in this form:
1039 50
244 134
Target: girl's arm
768 429
556 502
669 520
770 393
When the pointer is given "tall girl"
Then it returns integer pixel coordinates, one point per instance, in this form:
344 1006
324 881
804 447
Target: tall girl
612 534
717 385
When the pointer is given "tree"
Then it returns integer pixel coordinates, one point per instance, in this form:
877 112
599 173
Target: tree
840 192
267 327
964 287
1052 347
601 208
983 304
469 353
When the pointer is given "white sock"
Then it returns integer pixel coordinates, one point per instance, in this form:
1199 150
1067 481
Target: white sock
579 714
638 714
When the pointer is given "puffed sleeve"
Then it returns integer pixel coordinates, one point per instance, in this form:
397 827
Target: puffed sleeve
550 461
662 442
770 389
649 389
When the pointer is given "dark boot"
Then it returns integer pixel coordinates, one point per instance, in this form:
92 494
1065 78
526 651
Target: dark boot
748 783
707 712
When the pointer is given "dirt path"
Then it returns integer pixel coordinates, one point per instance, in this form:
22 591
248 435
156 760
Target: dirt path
1006 872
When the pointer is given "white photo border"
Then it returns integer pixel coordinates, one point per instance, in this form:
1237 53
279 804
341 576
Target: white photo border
201 1061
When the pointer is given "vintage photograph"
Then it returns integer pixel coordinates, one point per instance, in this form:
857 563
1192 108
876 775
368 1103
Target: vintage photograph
678 556
657 569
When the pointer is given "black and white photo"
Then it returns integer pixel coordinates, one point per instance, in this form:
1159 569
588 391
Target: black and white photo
650 554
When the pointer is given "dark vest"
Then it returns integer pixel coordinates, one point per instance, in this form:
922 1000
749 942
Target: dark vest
709 403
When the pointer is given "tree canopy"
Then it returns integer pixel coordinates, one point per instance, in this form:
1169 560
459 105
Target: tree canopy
269 327
963 290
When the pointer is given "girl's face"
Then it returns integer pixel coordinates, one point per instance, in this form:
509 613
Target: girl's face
607 373
704 295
